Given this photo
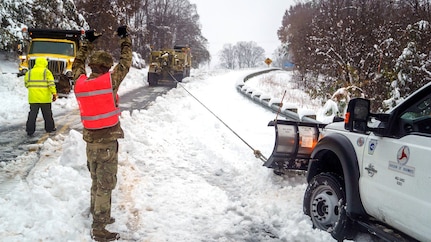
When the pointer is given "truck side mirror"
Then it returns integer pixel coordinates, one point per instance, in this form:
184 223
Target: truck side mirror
357 115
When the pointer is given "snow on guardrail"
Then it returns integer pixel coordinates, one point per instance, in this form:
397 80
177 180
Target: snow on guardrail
290 112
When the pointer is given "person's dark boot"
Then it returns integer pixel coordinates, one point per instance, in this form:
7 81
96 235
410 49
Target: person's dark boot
104 235
111 220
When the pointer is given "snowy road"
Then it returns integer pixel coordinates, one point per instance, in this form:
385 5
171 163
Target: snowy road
142 97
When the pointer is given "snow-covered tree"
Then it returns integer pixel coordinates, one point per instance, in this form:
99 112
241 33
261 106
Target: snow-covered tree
56 14
413 66
18 14
13 13
241 55
364 43
227 56
179 19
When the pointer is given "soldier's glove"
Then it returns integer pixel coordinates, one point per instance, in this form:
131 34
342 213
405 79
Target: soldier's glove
122 31
91 35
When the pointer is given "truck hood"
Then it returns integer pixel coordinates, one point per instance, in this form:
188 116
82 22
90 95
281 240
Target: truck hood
339 126
335 126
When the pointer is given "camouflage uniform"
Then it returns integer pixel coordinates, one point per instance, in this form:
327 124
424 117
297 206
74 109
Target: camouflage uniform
102 145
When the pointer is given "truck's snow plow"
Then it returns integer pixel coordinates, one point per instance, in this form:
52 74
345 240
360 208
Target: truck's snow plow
294 142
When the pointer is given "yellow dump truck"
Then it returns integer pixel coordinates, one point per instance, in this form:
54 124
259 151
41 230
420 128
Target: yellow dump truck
59 47
169 64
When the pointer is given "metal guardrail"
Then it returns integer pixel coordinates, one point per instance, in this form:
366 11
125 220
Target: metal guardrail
289 114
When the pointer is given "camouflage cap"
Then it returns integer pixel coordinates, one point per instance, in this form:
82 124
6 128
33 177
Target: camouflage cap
101 58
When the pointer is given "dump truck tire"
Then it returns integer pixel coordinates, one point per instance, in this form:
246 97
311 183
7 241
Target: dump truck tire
153 79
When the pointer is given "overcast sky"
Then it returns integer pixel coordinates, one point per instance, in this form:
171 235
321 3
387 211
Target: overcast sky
230 21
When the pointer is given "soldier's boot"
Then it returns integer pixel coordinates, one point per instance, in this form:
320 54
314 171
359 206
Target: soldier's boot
111 220
104 235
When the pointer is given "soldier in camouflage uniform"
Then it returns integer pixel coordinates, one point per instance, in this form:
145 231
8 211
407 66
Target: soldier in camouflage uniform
102 144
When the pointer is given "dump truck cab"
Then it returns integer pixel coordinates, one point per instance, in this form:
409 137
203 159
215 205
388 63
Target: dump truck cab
59 47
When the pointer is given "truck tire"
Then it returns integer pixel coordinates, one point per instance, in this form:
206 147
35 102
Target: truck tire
186 72
63 86
153 79
324 202
178 77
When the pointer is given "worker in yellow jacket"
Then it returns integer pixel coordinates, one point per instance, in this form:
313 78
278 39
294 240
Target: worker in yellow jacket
41 92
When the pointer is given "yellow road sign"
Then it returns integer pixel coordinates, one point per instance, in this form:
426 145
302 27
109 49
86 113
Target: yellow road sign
268 61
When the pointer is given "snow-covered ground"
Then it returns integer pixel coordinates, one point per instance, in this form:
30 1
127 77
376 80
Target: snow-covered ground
183 175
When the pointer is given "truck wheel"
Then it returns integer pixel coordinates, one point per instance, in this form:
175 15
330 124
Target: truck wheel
63 86
325 203
186 72
178 77
152 79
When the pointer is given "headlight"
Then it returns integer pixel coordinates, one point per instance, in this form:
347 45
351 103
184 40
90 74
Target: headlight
22 58
22 71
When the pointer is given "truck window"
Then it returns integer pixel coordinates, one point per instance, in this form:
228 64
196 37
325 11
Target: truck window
48 47
417 118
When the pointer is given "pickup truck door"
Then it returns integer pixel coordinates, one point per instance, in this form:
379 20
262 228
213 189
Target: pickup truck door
395 178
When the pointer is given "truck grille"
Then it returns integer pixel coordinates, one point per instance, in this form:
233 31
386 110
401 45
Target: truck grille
55 66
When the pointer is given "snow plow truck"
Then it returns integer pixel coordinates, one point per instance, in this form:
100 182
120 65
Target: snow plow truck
169 64
59 47
369 173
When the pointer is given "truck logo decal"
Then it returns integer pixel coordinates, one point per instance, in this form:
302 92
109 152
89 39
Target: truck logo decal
371 170
403 156
372 146
360 141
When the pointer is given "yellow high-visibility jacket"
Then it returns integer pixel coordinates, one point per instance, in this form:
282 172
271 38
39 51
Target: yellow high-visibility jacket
40 82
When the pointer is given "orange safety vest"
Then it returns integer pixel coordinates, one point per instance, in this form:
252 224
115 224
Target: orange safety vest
96 102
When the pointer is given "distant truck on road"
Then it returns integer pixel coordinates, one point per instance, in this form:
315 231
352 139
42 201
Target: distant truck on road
59 47
169 64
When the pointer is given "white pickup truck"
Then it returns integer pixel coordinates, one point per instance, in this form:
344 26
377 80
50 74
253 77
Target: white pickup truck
370 173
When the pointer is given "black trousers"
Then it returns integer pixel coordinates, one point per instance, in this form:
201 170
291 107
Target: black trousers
47 116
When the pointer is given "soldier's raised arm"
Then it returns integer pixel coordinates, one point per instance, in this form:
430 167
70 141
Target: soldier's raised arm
122 68
78 67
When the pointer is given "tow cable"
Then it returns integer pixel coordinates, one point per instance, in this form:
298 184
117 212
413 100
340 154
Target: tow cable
256 153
